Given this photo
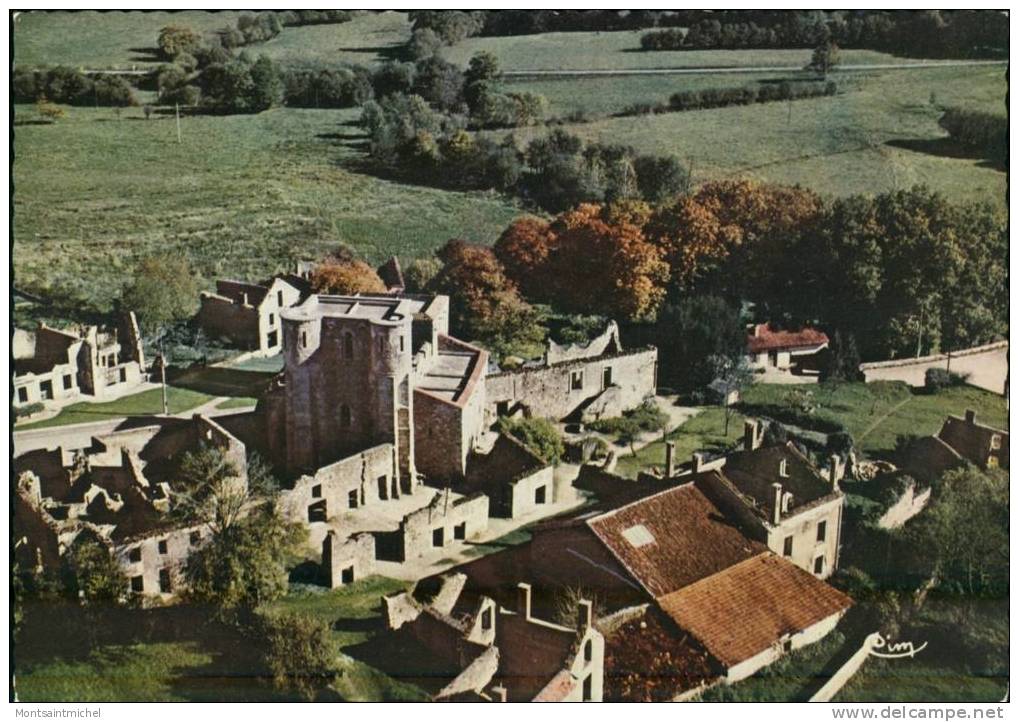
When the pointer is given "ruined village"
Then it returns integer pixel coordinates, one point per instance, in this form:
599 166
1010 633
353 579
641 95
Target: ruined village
645 445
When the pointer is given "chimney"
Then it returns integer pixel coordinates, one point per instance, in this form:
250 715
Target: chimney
244 298
698 462
750 437
757 330
524 600
971 416
670 459
583 615
499 693
776 508
783 468
834 471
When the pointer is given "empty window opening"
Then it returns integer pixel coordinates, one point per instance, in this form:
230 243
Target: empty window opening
353 499
383 483
576 380
347 575
165 585
135 555
502 408
23 394
460 530
46 390
68 381
279 298
123 375
787 547
272 319
317 511
316 491
588 688
539 495
401 343
819 565
606 377
438 537
138 584
304 339
787 645
162 546
196 538
588 650
822 531
486 619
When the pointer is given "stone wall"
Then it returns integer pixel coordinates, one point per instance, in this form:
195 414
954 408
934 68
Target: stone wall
560 390
533 492
347 561
986 366
908 505
440 452
427 531
359 480
154 563
802 526
221 317
847 670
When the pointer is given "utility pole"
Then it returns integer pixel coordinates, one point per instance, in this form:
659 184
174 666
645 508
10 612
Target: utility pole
177 108
162 373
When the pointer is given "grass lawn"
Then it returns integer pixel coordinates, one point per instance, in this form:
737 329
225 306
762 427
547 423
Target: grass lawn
875 414
238 402
143 404
351 613
243 196
880 134
271 364
703 432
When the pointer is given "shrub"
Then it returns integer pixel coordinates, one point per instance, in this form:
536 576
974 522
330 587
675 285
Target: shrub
20 412
541 436
299 652
937 379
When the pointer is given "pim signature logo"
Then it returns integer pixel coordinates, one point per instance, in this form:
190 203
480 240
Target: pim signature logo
895 650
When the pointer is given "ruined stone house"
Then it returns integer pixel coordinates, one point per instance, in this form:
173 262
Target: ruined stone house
780 499
119 491
464 648
247 315
60 365
961 439
579 381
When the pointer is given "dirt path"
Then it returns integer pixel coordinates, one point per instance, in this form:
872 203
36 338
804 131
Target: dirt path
883 418
514 74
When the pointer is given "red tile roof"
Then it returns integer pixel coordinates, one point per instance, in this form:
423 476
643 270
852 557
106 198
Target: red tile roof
690 539
766 338
740 612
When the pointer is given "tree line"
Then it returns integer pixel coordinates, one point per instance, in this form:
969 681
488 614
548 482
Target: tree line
725 97
984 133
70 86
925 34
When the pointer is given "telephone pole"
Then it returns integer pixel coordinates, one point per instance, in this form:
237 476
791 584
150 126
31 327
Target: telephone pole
177 108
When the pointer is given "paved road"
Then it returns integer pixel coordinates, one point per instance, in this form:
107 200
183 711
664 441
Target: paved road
986 370
741 69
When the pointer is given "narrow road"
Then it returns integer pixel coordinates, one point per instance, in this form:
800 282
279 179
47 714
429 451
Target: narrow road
722 70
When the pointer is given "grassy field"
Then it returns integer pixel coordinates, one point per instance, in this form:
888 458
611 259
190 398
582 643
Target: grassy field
102 39
876 414
880 134
243 196
706 431
141 404
351 612
621 50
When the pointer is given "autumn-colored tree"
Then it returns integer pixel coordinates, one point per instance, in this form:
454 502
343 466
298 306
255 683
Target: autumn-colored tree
524 249
346 277
486 305
603 263
692 240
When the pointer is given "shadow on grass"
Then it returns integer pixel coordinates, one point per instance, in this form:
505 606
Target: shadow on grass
219 381
948 148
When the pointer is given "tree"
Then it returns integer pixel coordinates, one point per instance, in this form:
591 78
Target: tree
267 87
50 112
299 652
824 58
92 575
734 374
163 292
660 178
210 489
524 249
843 360
539 435
245 565
694 333
346 278
419 274
176 39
